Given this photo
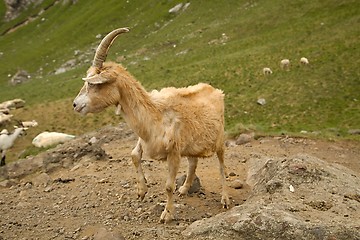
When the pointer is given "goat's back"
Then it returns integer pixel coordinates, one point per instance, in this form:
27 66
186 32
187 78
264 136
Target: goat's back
197 115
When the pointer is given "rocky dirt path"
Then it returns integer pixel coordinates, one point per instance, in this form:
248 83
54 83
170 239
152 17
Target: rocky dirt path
94 197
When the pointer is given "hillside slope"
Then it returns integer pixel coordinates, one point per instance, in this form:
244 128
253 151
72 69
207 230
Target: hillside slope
225 44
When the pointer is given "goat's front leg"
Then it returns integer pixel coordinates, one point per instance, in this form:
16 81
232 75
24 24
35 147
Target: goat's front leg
173 161
2 162
224 195
136 155
192 162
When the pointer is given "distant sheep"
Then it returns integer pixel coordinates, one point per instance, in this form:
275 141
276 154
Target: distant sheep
285 64
5 118
46 139
267 71
12 104
27 124
304 61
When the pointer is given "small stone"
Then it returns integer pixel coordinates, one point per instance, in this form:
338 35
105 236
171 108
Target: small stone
243 138
48 189
232 174
237 184
261 101
93 140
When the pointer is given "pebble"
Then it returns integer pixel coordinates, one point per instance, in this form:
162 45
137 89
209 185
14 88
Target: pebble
237 184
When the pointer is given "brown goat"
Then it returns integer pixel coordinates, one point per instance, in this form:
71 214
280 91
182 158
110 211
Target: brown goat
170 123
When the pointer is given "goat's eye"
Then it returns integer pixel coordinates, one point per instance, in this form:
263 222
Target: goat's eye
90 84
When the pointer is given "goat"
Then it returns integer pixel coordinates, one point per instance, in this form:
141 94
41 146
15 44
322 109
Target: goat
7 141
171 123
46 139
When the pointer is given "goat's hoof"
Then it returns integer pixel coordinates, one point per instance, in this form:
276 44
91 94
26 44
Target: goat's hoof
166 216
225 202
183 191
141 196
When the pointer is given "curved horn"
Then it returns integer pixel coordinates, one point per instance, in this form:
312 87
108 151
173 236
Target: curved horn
101 51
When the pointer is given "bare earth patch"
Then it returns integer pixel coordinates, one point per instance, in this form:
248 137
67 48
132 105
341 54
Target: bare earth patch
86 189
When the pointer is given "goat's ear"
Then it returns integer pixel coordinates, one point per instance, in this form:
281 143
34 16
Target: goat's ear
96 79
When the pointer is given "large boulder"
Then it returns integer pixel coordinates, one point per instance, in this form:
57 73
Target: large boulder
20 77
301 197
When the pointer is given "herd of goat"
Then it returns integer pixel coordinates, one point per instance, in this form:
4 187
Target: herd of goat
170 124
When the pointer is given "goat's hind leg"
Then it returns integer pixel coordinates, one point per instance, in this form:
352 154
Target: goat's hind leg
136 155
192 162
224 195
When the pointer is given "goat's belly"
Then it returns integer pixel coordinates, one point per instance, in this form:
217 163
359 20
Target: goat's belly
194 151
156 154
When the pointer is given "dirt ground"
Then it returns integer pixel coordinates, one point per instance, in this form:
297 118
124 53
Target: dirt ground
96 199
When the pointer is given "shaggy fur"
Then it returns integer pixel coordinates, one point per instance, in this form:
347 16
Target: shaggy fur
171 123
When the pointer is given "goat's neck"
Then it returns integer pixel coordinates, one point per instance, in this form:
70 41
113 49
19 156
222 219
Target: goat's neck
139 111
14 135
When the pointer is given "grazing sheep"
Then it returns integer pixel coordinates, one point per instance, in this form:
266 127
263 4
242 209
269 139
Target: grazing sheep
267 71
7 141
304 61
32 123
13 104
285 64
46 139
5 118
171 123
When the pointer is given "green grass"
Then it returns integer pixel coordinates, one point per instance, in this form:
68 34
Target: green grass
187 48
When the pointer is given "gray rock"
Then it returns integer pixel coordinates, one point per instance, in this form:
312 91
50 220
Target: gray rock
354 131
23 167
323 215
7 183
20 77
237 184
195 187
244 138
261 101
176 8
42 180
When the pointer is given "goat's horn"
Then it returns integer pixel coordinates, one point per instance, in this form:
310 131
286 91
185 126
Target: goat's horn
101 51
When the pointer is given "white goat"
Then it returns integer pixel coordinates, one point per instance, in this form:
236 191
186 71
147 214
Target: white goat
170 123
285 64
304 61
267 71
7 141
46 139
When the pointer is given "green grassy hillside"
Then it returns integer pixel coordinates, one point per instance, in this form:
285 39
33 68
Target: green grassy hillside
226 44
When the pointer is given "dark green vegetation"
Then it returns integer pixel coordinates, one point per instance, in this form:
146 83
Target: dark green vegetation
223 43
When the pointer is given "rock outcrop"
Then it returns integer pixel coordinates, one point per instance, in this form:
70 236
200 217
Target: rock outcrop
301 197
